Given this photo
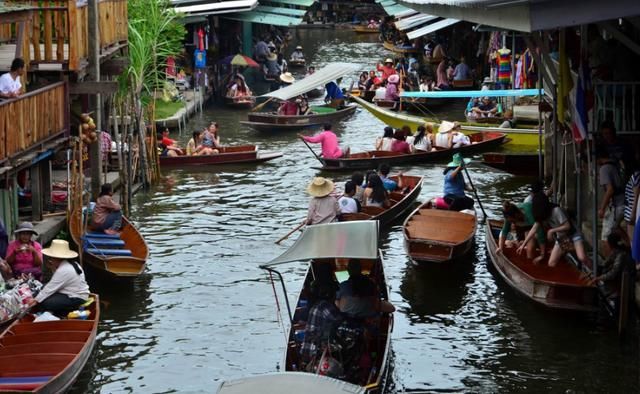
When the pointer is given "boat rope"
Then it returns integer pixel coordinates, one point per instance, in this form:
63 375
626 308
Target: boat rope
278 309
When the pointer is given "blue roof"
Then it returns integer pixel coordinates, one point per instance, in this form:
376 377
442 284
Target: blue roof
474 93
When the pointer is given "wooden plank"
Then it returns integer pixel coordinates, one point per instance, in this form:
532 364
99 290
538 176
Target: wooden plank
35 37
48 33
94 87
60 35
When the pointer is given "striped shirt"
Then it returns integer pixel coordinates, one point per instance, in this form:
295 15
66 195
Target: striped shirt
633 182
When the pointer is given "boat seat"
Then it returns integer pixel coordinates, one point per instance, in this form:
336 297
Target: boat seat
104 243
101 235
109 252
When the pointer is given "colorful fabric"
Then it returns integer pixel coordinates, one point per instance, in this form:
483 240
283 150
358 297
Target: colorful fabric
24 261
504 67
321 317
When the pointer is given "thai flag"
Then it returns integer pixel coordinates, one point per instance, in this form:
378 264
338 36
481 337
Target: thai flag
582 103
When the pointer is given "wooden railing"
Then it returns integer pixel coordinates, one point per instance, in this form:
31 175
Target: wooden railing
33 118
58 31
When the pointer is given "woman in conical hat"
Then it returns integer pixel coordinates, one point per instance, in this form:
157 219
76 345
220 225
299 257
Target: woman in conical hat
323 207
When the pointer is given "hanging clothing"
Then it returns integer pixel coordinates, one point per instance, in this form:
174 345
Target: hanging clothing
520 78
504 66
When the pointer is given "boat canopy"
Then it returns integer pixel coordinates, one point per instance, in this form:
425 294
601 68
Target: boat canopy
326 74
474 93
356 240
289 382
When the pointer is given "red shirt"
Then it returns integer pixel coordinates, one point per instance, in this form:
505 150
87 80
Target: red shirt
166 141
289 108
400 146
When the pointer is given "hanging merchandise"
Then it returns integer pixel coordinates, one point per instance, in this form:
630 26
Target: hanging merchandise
201 39
504 67
200 58
521 77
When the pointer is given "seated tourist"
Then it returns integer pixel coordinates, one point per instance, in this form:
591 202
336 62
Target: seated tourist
303 105
509 122
193 146
399 144
67 289
334 96
362 81
389 184
358 296
423 140
289 108
107 214
393 91
24 255
375 194
386 141
169 146
458 138
239 87
485 109
358 179
521 218
347 203
323 207
210 140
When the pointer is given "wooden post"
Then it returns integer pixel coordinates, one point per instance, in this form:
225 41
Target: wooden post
74 42
36 193
93 70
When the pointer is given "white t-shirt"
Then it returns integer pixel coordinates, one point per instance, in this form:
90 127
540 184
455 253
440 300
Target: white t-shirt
9 85
348 205
381 93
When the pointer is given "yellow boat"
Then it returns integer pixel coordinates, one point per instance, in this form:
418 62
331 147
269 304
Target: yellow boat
521 139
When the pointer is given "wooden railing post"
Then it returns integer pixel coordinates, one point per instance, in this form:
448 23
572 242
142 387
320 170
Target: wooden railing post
74 42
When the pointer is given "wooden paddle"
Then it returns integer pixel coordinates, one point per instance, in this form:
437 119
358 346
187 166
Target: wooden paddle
310 148
298 227
475 192
260 106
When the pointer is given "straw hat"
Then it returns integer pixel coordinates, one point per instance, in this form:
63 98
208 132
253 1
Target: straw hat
395 78
59 249
272 56
25 227
299 47
320 187
457 161
446 126
389 60
287 78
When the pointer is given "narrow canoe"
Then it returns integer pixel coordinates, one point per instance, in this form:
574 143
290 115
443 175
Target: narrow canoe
560 287
264 121
400 203
46 357
297 63
243 102
436 235
366 30
375 381
119 257
227 155
372 159
399 49
525 164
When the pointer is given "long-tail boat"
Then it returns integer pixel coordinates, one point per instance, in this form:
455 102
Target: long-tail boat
268 121
438 235
227 155
339 242
372 159
400 203
560 287
364 29
119 256
46 357
240 102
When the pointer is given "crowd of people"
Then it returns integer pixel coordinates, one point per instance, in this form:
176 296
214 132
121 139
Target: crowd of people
204 142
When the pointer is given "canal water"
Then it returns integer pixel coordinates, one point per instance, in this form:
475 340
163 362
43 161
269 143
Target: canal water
204 311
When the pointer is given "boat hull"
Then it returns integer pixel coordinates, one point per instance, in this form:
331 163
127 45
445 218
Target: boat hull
366 30
525 164
394 48
296 63
272 122
229 155
240 102
560 287
438 236
372 159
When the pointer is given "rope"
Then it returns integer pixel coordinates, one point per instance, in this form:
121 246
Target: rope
279 314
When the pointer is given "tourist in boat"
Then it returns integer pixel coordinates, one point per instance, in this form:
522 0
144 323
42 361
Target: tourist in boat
334 97
210 140
462 72
194 146
297 54
423 140
521 216
10 84
509 122
303 105
348 203
485 109
618 260
362 81
400 144
323 207
329 141
67 289
444 136
358 179
386 141
386 69
454 185
388 183
375 194
393 92
107 214
310 71
289 108
442 81
427 84
372 81
239 88
169 146
24 255
458 138
559 230
358 296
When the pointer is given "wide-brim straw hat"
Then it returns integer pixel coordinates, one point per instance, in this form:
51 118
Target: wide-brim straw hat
59 249
389 60
320 187
446 126
272 56
287 78
26 227
457 160
395 78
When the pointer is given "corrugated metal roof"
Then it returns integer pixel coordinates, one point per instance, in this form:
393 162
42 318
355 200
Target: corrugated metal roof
6 8
423 31
265 18
208 8
303 3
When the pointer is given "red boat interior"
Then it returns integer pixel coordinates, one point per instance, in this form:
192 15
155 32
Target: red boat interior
369 212
440 225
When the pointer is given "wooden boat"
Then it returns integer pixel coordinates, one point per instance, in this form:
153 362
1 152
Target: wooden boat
560 287
462 84
364 29
297 63
341 240
383 103
320 114
400 49
227 155
437 235
242 102
522 139
400 203
289 382
517 163
490 120
46 357
367 95
121 256
372 159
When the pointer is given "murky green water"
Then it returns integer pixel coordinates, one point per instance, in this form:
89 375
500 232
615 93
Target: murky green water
204 311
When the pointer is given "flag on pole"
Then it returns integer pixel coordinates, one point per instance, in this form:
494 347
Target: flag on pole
581 103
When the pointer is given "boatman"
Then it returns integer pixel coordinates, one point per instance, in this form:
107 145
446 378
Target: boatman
335 97
329 141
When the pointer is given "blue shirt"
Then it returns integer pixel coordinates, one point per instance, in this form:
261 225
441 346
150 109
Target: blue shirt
454 186
389 184
333 91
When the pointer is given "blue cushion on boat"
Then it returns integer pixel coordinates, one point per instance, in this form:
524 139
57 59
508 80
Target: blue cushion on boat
25 379
109 252
102 235
103 242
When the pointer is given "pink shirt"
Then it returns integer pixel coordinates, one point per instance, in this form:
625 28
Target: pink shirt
400 146
289 108
104 206
392 92
441 75
329 141
24 261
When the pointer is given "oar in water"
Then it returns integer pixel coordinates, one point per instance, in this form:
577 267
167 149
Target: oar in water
261 105
310 148
475 192
298 227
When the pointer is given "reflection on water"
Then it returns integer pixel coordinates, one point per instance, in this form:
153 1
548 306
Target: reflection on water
204 311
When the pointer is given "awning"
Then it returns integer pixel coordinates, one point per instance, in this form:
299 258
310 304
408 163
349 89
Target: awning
326 74
281 11
289 382
303 3
430 28
205 8
414 21
392 8
355 240
474 93
265 18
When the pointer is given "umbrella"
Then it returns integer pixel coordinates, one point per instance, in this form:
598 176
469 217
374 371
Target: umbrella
240 60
